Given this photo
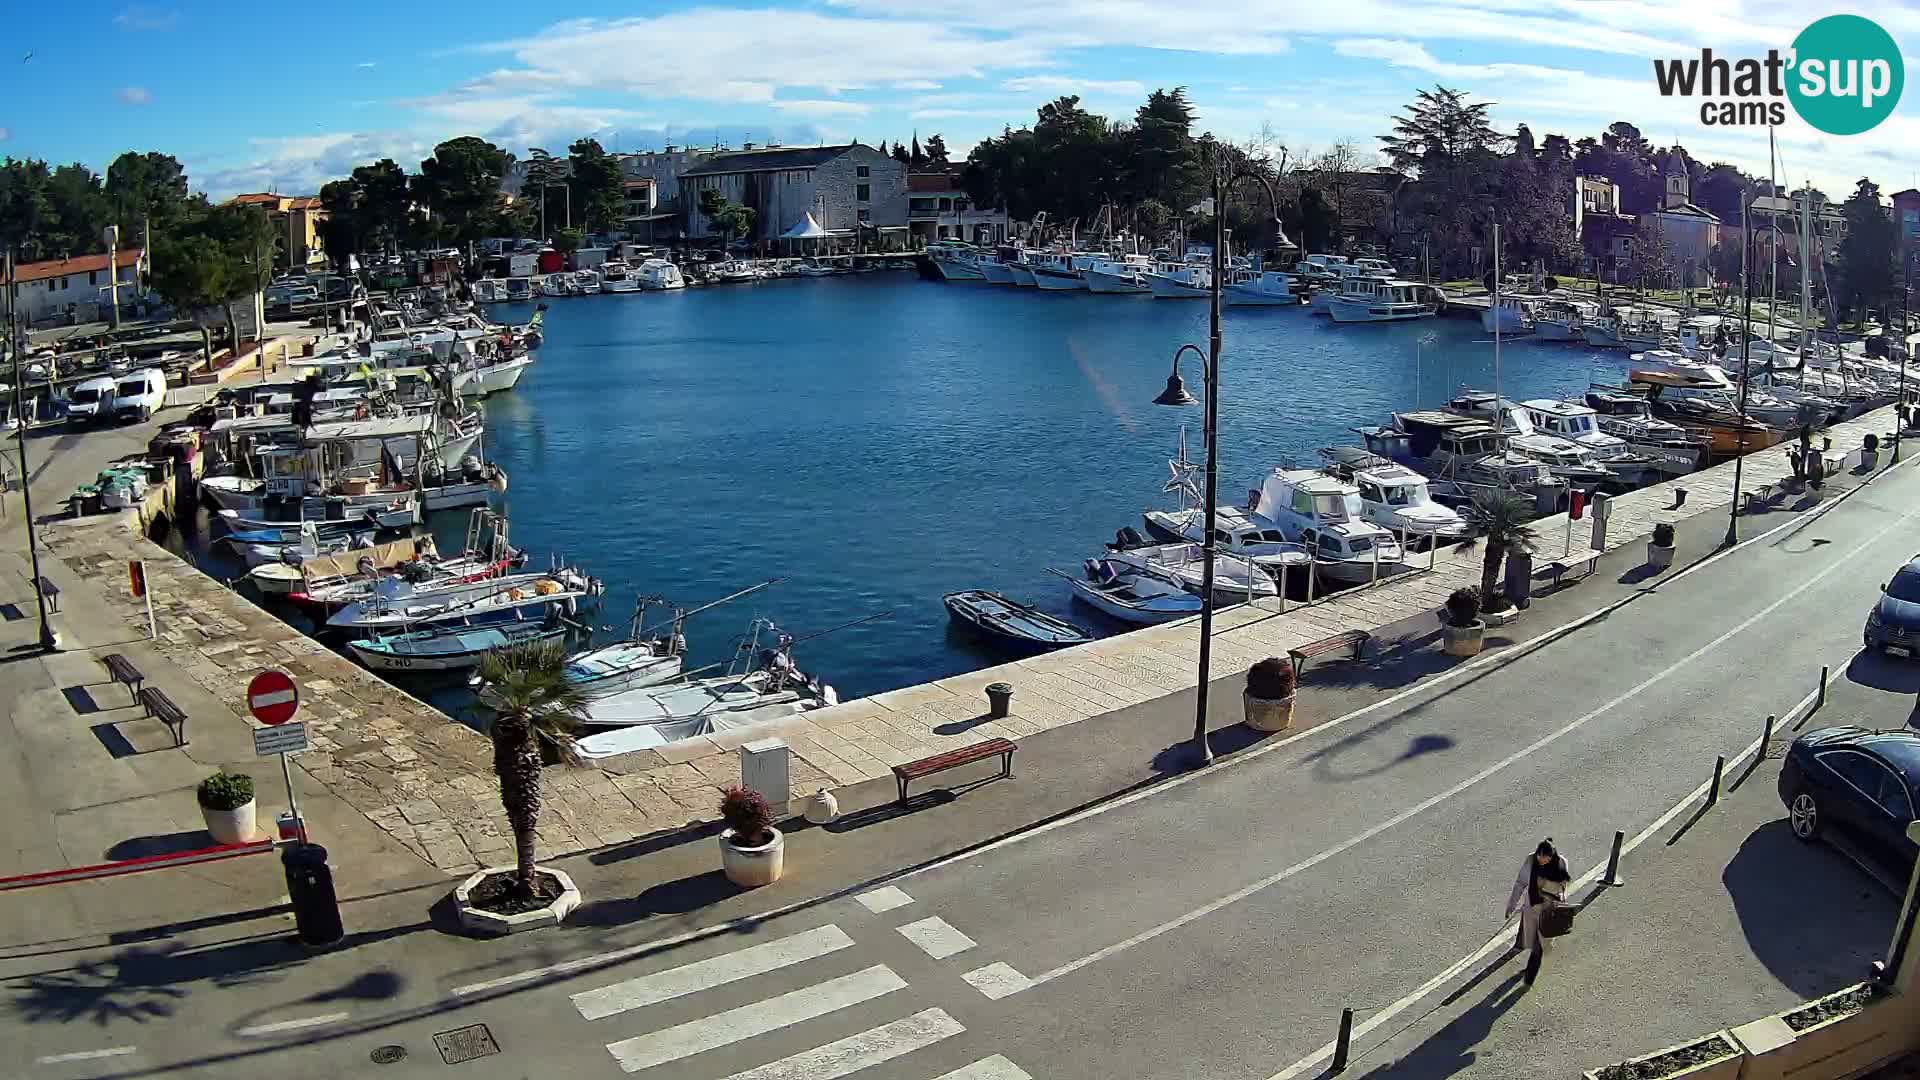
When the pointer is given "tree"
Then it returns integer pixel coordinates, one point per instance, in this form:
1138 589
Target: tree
1867 251
937 151
460 181
147 188
80 213
343 232
544 173
1439 131
383 202
567 241
900 155
25 207
729 219
533 699
1502 522
598 185
190 273
914 156
247 240
1653 254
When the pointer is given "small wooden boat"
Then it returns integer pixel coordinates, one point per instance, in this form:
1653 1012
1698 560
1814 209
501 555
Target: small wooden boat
1131 597
450 648
1009 622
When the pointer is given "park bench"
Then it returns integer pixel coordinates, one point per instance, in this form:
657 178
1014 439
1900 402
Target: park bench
1355 640
953 759
121 670
161 707
1558 567
52 592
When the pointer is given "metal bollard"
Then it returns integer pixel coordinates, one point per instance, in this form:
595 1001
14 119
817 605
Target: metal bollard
1822 699
1719 773
1613 880
1376 564
1313 573
1283 588
1766 736
1343 1044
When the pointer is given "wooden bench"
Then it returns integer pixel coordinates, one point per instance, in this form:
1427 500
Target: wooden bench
161 707
52 592
1559 567
1355 640
952 759
121 670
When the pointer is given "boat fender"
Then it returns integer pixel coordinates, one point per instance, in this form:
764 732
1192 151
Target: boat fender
828 695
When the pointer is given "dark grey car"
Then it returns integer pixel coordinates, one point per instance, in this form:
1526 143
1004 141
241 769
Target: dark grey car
1893 626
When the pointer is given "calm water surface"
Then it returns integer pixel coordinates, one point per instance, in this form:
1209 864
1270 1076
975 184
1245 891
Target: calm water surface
879 441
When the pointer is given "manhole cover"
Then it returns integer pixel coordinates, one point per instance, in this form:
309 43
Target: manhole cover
465 1044
387 1055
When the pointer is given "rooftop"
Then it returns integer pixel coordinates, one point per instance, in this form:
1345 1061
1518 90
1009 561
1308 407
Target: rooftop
786 157
79 264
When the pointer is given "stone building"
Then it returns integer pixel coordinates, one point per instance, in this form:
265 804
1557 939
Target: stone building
853 191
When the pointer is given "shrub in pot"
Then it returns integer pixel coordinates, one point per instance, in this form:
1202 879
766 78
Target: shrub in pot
1269 695
1870 451
752 851
226 805
1660 547
1464 632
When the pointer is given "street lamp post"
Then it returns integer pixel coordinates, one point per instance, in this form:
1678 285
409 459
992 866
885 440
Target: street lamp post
14 351
1176 394
1740 417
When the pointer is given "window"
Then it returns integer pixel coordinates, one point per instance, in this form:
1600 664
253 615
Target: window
863 193
1370 492
1302 502
1855 768
93 277
1893 797
1905 586
1273 536
1222 538
862 172
865 215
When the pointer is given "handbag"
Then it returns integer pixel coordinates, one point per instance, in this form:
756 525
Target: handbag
1557 919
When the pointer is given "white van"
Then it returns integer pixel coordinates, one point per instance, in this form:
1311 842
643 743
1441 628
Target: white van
139 394
90 400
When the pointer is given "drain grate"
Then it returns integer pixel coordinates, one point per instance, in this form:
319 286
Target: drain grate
387 1055
465 1044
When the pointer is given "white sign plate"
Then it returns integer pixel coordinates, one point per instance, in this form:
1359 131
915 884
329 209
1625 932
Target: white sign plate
285 739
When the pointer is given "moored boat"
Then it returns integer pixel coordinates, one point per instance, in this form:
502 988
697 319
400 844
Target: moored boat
1131 597
451 648
1009 622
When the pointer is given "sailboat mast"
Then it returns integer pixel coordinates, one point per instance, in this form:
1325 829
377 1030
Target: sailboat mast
1773 264
1497 423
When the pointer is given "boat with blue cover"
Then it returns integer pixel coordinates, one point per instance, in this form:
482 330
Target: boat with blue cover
451 648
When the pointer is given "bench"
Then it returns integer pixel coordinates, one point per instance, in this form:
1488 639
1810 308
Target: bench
952 759
161 707
1355 640
121 670
1559 567
52 592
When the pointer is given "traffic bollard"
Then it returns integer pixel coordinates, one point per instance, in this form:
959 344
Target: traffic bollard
1719 771
1822 699
316 910
1766 736
1613 880
1343 1044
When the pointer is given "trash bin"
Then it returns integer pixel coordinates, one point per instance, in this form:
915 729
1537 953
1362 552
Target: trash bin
999 699
316 910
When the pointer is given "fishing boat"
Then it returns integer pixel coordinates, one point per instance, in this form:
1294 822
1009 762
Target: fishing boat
1383 300
1675 450
1131 596
1122 275
514 598
450 648
1261 288
1192 280
1512 314
995 269
399 515
1236 580
1009 622
772 687
1021 267
1060 271
1579 424
257 548
1563 320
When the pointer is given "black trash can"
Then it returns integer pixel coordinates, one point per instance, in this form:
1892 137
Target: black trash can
316 910
999 699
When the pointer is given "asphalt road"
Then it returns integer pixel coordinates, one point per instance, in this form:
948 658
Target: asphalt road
1214 927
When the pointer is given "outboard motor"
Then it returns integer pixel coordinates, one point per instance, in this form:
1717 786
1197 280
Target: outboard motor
1126 538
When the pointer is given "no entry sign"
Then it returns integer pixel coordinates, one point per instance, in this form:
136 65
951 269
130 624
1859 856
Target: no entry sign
272 698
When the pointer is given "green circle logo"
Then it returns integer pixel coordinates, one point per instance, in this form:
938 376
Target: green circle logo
1846 75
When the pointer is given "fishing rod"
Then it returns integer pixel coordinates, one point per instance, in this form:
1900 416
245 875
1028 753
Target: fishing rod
854 622
681 616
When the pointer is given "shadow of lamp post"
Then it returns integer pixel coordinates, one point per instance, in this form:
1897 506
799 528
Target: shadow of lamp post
1176 394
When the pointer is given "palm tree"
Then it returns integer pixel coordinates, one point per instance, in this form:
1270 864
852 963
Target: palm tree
532 699
1502 521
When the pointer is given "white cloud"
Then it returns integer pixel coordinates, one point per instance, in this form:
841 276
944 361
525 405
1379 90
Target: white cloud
141 17
300 164
812 107
133 95
367 64
916 84
5 134
1068 84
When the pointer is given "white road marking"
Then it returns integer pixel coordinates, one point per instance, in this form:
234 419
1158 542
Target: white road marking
1504 938
289 1025
936 937
722 1029
997 981
992 1068
1421 807
84 1055
885 898
705 974
856 1052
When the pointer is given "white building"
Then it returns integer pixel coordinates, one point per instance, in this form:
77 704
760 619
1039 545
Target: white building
76 287
938 209
852 190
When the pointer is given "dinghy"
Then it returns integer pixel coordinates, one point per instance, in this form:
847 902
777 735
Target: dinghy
450 648
1011 623
1131 597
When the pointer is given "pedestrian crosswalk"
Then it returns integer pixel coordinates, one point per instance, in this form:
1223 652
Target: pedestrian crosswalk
800 987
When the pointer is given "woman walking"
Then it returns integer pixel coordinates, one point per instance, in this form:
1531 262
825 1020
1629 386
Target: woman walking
1542 882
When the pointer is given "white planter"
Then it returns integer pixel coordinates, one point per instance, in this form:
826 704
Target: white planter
1722 1068
1268 714
1869 459
821 807
1463 640
233 826
488 922
752 867
1659 557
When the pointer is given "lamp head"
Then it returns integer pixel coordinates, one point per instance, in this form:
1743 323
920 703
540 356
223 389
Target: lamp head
1175 393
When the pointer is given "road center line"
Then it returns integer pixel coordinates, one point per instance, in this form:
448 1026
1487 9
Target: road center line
84 1055
289 1025
1434 800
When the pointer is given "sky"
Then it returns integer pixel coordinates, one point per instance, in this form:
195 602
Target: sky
283 98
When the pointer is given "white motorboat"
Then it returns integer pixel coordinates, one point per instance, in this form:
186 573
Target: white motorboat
956 261
399 515
1395 497
1192 280
659 275
1060 272
729 702
1627 328
1131 597
617 277
490 378
489 291
277 578
1123 275
1383 300
245 495
1350 278
1022 269
1563 320
1235 533
1261 288
995 269
509 599
1580 424
584 283
1511 314
1236 580
1324 513
556 284
519 289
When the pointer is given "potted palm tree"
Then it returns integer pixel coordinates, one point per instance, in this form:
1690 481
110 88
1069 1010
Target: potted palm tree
1660 546
752 851
1269 695
1503 524
532 699
1460 621
226 805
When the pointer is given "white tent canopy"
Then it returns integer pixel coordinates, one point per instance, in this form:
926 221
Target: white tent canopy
805 229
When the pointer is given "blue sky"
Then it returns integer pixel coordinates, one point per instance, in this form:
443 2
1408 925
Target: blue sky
251 97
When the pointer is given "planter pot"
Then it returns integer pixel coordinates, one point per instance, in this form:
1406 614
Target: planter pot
1464 640
752 867
1845 1045
820 807
1659 557
1722 1068
490 922
1268 714
1869 459
233 826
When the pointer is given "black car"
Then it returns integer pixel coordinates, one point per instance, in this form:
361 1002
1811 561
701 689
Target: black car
1893 626
1866 783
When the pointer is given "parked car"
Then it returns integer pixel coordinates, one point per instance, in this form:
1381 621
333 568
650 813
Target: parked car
1893 626
1862 782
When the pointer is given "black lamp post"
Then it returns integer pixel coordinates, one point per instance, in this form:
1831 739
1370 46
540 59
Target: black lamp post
1176 394
14 351
1746 352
